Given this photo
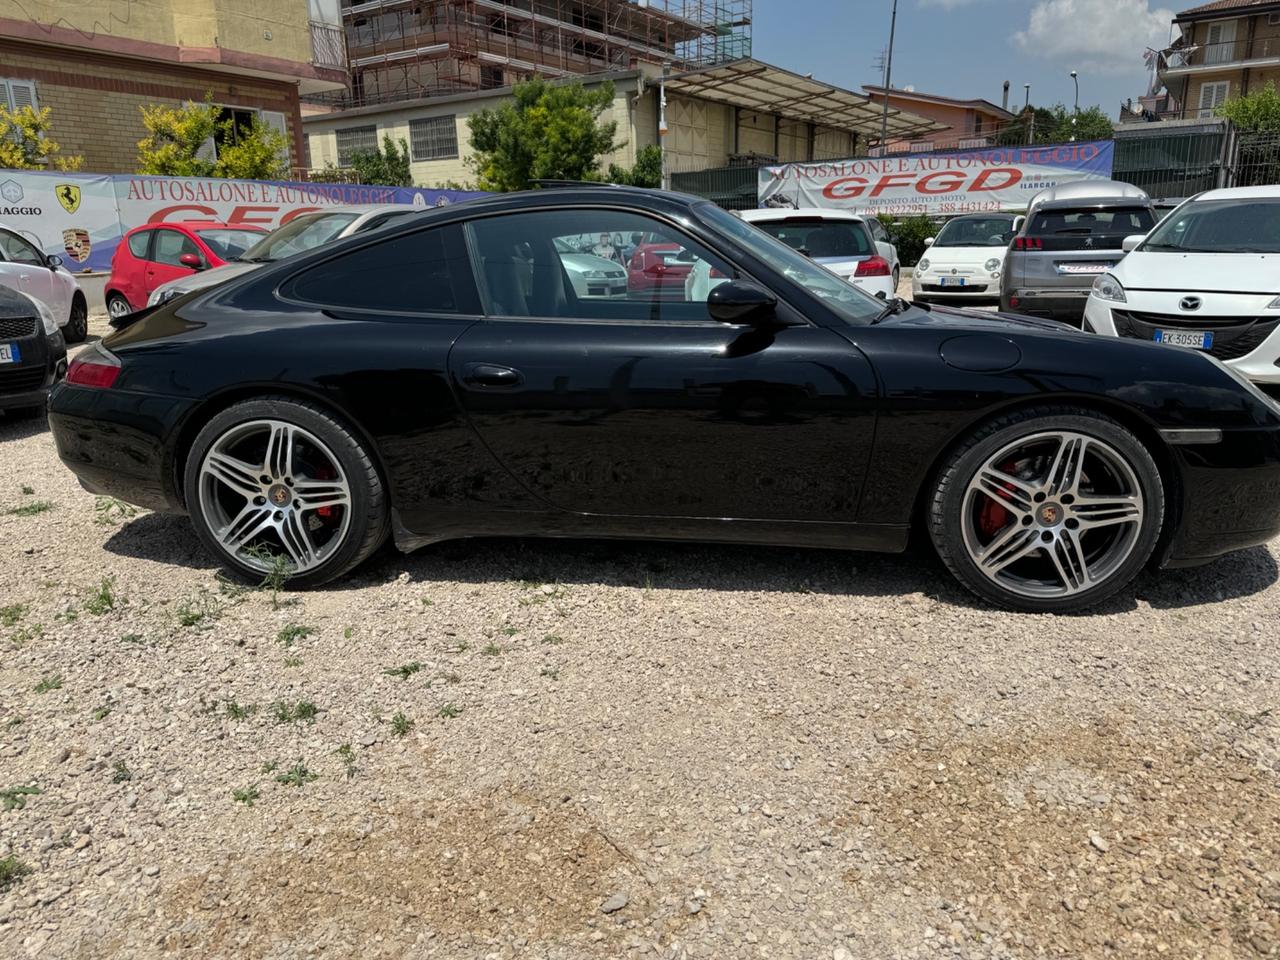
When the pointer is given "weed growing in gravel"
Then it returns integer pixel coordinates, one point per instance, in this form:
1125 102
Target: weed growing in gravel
103 600
121 772
449 711
269 766
448 677
27 490
132 638
69 615
277 574
12 870
404 671
510 631
15 798
297 775
428 602
401 725
237 712
101 713
293 632
229 588
10 615
20 636
303 711
13 722
491 650
348 757
30 509
551 638
550 672
111 511
51 682
293 661
460 647
246 795
198 610
348 633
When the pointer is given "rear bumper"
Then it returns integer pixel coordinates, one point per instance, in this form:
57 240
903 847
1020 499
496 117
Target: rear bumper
1066 305
44 364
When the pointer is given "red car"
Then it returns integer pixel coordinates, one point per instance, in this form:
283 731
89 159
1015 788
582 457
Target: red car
152 254
656 270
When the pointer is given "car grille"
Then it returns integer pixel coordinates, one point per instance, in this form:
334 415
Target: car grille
14 327
22 379
1233 337
967 288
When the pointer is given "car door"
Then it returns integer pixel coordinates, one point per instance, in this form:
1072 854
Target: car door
165 264
25 270
642 405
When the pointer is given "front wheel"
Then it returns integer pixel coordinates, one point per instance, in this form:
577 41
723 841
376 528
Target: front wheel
278 479
1048 510
77 327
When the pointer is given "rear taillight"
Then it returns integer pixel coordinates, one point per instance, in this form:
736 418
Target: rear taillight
96 366
717 275
873 267
1028 243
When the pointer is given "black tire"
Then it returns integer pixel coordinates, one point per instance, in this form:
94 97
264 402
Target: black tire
122 304
369 522
946 513
77 327
896 279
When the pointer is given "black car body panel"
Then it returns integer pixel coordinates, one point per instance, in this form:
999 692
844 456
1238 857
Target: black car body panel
42 357
814 432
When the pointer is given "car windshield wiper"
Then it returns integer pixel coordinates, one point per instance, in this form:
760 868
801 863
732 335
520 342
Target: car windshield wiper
896 305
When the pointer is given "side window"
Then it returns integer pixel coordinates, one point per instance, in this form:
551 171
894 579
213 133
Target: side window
18 250
171 245
592 264
138 243
412 273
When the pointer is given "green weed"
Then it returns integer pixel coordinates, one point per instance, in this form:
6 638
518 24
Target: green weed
291 633
297 775
109 510
449 710
30 509
51 682
10 615
120 772
304 711
15 798
404 671
237 712
246 795
103 600
401 725
197 611
348 756
12 870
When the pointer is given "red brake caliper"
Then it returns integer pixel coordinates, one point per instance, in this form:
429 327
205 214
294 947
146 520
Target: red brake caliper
325 473
994 517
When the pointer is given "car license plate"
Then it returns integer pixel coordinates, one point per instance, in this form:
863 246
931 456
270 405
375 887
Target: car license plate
1197 339
1084 267
9 353
951 281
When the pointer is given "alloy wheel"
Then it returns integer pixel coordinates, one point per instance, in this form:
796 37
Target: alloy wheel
118 307
268 486
1052 514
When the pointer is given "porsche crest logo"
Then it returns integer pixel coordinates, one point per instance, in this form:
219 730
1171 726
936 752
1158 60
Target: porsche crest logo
69 196
76 242
1049 514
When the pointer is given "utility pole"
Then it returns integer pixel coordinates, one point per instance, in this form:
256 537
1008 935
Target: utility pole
888 78
1027 115
662 124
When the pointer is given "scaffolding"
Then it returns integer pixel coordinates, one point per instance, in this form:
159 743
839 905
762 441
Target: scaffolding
409 49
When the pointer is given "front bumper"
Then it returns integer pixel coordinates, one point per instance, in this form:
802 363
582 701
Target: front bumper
44 363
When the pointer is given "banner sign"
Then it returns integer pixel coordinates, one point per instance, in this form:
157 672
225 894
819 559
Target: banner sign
961 181
81 217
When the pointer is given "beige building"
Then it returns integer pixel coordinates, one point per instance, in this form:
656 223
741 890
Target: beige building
739 111
95 62
1223 49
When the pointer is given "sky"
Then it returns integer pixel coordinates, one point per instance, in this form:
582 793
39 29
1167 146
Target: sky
968 48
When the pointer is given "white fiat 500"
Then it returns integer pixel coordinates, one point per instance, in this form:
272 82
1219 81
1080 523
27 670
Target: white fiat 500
1206 277
964 260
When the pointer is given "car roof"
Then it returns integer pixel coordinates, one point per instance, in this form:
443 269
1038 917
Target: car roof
769 214
984 216
1090 203
1270 191
1089 190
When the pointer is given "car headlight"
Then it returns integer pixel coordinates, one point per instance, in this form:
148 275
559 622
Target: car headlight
1107 287
594 274
1274 304
47 318
164 296
923 264
993 264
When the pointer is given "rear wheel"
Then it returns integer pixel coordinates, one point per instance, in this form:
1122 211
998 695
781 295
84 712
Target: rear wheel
1048 510
77 327
277 478
118 306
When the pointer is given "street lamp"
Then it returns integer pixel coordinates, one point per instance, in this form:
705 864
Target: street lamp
1075 77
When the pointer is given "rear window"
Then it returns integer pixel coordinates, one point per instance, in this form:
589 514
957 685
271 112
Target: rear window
1087 229
815 237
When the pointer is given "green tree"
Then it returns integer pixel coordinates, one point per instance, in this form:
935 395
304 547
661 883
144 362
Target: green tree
1053 125
647 171
546 132
177 138
386 167
25 144
908 235
1256 112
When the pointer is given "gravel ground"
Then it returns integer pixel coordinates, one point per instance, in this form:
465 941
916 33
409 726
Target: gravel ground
582 749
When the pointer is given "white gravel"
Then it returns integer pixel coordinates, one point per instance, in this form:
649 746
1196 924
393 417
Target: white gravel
620 750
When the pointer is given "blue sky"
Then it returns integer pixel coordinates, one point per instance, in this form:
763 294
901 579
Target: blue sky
967 48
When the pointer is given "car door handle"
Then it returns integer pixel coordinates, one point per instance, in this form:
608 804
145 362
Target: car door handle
491 375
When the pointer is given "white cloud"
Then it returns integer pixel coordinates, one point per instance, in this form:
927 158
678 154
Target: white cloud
1104 36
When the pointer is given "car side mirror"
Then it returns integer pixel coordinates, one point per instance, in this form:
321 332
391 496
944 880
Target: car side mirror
54 261
191 260
1132 241
928 241
740 301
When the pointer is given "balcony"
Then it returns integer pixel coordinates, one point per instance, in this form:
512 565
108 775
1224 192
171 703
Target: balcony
328 46
1229 54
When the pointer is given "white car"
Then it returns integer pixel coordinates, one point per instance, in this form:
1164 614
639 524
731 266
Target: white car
25 269
302 233
592 277
840 241
1206 277
963 262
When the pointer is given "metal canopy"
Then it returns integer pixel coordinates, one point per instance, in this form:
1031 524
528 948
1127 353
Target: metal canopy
754 85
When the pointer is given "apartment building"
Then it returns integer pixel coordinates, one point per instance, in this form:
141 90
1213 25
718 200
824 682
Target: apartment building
95 62
962 124
1223 49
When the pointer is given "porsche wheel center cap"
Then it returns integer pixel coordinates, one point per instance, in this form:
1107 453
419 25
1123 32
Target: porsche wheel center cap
279 495
1050 515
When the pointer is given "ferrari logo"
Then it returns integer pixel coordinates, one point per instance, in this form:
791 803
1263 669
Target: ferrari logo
76 242
68 196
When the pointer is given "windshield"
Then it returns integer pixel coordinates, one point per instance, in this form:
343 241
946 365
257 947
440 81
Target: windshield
816 237
847 301
299 234
228 243
976 232
1219 226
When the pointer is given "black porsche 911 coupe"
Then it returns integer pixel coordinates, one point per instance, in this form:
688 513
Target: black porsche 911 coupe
444 377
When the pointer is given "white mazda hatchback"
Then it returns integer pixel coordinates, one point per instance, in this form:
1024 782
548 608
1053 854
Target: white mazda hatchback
1206 277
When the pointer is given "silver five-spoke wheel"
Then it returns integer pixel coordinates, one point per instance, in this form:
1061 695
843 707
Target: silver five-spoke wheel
1052 514
268 487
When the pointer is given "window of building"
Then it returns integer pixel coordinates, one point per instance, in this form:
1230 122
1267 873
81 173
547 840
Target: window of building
354 139
240 125
434 138
491 77
16 94
1212 96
